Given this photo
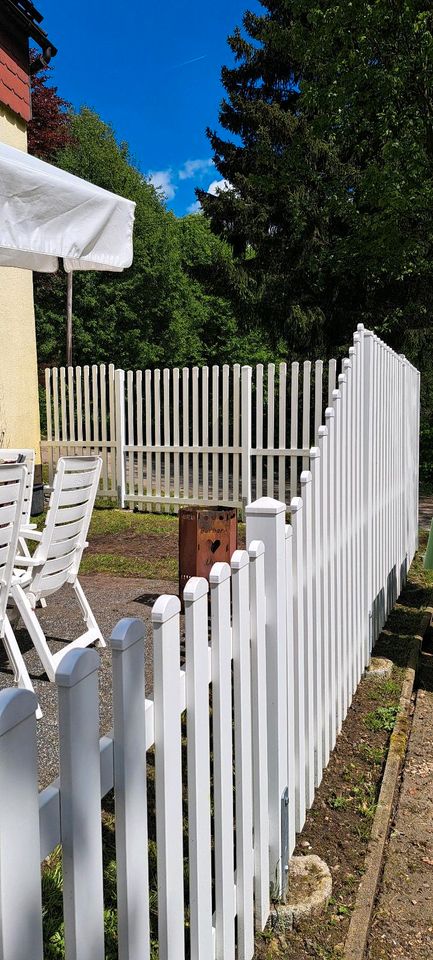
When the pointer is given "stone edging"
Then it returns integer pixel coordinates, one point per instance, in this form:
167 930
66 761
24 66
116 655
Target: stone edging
356 940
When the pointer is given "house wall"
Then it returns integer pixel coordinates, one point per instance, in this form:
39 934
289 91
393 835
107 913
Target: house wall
19 405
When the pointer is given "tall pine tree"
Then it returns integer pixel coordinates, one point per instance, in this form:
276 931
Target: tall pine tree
329 112
286 184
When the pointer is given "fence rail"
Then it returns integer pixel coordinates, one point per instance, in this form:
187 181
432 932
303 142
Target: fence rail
196 435
292 624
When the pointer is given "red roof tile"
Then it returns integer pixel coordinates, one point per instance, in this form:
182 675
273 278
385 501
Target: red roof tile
14 87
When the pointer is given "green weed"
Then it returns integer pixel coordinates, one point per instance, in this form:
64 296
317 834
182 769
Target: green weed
338 802
383 718
373 755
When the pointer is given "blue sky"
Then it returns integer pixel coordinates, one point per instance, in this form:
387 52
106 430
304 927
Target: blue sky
154 73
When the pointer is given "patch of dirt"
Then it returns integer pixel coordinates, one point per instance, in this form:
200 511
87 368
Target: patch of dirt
143 546
402 926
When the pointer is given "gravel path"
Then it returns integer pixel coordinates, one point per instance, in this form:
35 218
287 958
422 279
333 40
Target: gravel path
111 598
403 923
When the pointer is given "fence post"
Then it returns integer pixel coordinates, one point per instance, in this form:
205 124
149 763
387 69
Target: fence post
119 394
246 428
266 522
20 871
127 645
80 804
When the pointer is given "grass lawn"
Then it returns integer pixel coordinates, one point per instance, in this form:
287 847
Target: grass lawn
132 544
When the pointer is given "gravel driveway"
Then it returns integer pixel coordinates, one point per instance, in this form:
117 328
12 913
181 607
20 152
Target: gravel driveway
111 598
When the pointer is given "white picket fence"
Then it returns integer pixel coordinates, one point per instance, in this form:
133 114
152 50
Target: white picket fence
292 624
223 435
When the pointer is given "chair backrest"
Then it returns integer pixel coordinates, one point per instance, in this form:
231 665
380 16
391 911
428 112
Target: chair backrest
69 513
13 478
27 457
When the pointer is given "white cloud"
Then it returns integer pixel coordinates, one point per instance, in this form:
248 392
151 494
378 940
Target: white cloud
218 186
195 168
194 207
162 181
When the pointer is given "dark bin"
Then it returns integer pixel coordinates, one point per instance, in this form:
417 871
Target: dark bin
37 499
38 493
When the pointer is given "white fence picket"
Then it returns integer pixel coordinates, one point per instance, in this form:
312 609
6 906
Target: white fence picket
266 522
83 903
199 810
168 777
308 651
243 754
223 762
323 614
317 562
167 439
259 727
20 890
290 655
215 432
127 644
299 662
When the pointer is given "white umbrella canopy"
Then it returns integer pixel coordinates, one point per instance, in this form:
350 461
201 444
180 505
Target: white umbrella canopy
46 213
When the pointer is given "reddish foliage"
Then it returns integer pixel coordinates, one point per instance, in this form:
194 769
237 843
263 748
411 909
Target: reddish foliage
49 128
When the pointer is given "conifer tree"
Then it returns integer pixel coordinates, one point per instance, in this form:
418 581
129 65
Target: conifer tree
280 173
328 163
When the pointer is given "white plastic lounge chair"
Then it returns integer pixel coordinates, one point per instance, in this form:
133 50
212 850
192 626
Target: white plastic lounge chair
57 557
13 484
28 458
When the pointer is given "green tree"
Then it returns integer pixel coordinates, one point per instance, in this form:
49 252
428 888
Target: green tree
169 307
328 153
329 111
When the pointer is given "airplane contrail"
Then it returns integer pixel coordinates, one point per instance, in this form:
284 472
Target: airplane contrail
186 62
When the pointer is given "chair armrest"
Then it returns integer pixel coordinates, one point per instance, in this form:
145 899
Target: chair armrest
26 561
30 534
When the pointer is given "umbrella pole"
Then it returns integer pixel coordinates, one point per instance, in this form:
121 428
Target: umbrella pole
69 320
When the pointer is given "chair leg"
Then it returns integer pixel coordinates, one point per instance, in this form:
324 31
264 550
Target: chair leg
34 629
16 660
88 616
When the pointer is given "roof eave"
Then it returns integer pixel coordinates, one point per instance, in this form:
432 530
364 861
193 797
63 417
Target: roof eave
29 27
